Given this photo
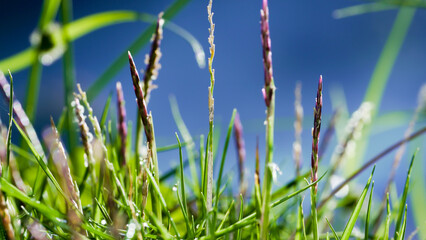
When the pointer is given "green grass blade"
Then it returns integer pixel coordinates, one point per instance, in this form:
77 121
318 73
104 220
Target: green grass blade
226 215
332 229
314 214
182 179
381 75
354 216
18 61
418 193
159 225
251 218
105 111
9 129
300 225
47 211
403 200
367 219
222 164
361 9
190 146
88 24
156 188
388 219
240 216
33 88
401 234
48 12
40 161
69 80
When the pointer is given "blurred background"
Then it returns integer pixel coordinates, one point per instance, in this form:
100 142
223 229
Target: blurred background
309 39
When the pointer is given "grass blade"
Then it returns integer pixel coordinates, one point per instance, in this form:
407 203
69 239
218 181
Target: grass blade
40 161
332 229
354 216
222 163
367 219
137 45
388 219
156 189
189 143
403 200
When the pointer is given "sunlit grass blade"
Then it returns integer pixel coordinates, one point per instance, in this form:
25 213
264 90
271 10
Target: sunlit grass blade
182 185
18 61
9 129
222 164
367 218
401 233
240 216
381 75
225 217
40 161
137 45
251 218
300 225
402 202
332 229
354 216
388 219
156 189
361 9
371 162
190 146
105 111
48 212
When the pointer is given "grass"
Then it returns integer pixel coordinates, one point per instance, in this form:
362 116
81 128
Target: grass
106 187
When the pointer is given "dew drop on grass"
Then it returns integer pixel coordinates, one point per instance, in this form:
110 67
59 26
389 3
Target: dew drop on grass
103 222
131 229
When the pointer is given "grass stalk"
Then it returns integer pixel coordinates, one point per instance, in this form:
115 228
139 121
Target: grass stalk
209 165
269 96
149 130
314 158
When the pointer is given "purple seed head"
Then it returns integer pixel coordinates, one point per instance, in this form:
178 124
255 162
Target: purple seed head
152 60
122 127
140 98
266 50
316 133
239 141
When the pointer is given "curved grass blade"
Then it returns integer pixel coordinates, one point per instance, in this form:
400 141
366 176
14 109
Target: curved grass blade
238 237
388 219
222 164
190 143
251 219
156 188
9 130
398 227
401 234
105 112
361 9
332 229
354 216
367 219
137 45
48 212
381 75
300 225
18 61
226 215
182 180
40 160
